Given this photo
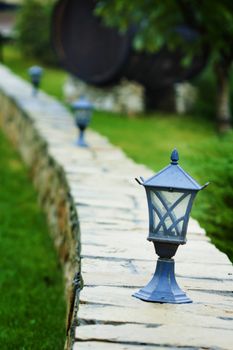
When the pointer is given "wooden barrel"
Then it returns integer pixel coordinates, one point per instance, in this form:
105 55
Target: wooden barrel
101 56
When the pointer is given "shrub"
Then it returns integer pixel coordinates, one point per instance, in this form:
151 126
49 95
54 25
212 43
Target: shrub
33 30
206 100
216 202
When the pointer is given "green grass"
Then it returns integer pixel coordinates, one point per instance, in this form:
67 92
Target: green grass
32 305
149 139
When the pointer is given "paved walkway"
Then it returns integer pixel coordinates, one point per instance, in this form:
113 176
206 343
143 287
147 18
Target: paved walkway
116 258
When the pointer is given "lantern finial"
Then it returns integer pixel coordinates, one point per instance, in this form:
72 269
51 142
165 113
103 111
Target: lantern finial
174 157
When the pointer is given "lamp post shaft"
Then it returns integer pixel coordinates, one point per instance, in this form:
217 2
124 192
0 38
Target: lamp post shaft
81 140
34 91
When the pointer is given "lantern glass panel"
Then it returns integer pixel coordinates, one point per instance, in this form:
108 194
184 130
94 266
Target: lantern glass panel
83 117
169 213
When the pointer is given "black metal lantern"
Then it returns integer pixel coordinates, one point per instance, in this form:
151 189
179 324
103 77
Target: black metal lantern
35 73
170 195
83 113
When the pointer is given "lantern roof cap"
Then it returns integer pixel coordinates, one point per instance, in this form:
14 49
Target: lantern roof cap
35 70
82 103
173 177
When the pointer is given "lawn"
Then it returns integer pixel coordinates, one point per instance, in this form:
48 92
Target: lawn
32 303
149 139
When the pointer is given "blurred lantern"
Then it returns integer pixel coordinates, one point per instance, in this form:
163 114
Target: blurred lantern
83 113
35 73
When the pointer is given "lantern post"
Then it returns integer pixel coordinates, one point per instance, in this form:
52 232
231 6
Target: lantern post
170 195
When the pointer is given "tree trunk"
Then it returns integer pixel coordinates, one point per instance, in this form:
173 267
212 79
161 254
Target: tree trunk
223 98
162 99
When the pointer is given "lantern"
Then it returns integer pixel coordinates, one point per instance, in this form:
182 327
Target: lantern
170 195
35 73
83 113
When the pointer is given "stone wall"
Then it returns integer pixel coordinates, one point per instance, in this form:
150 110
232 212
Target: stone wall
53 192
129 97
124 97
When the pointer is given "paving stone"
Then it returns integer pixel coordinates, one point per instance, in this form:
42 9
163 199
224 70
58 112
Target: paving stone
135 273
108 314
86 345
165 335
122 297
125 250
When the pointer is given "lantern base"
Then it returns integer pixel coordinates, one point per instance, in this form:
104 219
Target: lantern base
163 287
81 143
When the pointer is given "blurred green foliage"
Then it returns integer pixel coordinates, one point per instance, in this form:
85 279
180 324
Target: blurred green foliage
206 86
32 303
33 30
160 23
191 26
